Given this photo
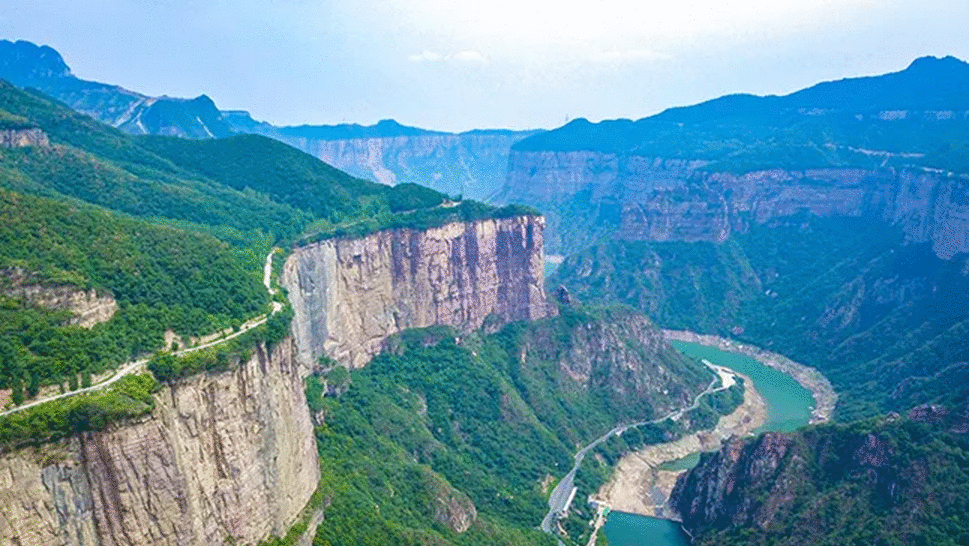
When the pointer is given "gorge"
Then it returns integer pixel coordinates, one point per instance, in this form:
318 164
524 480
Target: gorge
429 389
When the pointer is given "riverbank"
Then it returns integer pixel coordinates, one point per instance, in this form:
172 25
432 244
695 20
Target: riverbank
824 396
640 486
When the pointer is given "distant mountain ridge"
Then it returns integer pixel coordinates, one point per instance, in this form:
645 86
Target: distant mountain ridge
471 164
938 86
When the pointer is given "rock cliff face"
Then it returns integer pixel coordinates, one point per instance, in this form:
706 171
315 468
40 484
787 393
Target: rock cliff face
892 480
469 164
350 295
663 200
87 307
225 457
22 138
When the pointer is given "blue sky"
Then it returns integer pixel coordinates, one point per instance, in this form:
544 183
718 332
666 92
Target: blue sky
462 65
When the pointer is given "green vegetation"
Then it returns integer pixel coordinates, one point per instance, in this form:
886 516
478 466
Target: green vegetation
445 419
464 211
598 466
162 278
237 187
884 321
823 126
129 398
169 368
9 121
890 482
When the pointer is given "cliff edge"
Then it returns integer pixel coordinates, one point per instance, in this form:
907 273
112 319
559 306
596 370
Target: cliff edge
349 295
227 457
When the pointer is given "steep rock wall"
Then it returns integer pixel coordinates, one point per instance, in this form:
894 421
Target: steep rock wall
351 294
664 200
21 138
470 164
227 456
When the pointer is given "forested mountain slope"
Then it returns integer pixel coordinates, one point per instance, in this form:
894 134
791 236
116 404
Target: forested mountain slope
900 480
470 164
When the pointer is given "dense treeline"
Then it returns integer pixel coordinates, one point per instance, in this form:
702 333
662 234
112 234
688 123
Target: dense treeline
169 368
162 278
130 397
885 483
883 320
441 416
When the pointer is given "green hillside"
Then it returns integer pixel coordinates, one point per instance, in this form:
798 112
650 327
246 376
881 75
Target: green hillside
442 422
162 278
884 321
826 125
898 481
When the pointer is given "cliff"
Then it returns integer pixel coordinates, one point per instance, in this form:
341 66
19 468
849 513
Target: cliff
22 138
351 294
660 199
224 457
87 307
469 164
896 480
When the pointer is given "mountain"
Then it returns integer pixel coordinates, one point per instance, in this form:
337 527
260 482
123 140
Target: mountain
899 480
828 224
42 68
930 88
470 164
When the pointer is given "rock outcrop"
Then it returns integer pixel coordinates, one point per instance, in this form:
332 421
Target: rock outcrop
349 295
229 457
676 200
22 138
87 307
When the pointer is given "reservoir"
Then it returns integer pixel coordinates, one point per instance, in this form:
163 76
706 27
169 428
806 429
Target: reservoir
789 408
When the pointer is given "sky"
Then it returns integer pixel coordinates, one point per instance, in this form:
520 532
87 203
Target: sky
459 65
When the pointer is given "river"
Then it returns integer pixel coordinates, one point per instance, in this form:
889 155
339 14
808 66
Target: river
789 408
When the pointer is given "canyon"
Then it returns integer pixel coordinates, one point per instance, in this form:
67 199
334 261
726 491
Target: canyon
657 199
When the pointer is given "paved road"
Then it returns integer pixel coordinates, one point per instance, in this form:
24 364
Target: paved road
138 366
558 500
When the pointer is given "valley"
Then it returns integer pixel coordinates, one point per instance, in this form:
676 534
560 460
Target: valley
747 317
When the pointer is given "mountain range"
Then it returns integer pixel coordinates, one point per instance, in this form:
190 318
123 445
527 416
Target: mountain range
471 164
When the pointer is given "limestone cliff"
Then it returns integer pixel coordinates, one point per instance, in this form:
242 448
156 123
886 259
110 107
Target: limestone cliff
893 479
22 138
658 199
224 457
469 164
87 307
351 294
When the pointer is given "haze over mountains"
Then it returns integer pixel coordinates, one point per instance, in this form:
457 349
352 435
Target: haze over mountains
830 225
471 164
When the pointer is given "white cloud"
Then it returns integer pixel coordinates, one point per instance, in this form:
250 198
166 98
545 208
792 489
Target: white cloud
425 57
469 56
464 56
627 56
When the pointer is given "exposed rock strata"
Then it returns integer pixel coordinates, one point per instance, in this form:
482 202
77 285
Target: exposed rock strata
87 307
471 164
665 200
349 295
22 138
224 457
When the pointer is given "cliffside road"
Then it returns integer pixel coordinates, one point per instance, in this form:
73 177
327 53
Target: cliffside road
137 366
561 497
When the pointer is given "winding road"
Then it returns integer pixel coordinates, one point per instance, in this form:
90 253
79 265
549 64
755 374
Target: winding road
558 501
137 366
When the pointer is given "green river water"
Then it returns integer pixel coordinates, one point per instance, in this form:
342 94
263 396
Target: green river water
789 407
